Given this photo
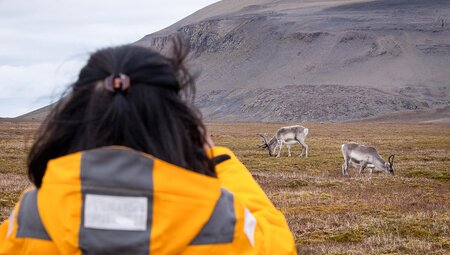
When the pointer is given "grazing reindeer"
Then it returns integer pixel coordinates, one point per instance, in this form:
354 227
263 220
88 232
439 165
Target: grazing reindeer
286 135
365 157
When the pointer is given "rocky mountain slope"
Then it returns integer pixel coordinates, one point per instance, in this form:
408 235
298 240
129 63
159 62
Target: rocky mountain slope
313 103
251 49
315 60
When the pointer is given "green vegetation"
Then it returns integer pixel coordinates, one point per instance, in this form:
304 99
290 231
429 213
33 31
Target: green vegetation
408 213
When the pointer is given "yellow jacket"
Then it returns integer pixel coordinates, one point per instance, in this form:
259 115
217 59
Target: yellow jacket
115 200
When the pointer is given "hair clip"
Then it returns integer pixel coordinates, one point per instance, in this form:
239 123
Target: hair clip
120 82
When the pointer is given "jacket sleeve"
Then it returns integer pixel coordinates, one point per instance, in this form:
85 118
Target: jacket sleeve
272 235
3 232
10 244
8 229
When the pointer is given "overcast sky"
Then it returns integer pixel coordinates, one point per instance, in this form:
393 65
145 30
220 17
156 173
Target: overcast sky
44 43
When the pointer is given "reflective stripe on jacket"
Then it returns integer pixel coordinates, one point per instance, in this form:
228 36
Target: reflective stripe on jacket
114 200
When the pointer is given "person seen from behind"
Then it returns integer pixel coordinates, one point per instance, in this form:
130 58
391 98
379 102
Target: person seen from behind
123 165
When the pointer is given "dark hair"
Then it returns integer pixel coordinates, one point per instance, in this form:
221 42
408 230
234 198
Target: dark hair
155 115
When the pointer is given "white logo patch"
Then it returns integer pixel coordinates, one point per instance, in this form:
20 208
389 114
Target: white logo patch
249 226
115 212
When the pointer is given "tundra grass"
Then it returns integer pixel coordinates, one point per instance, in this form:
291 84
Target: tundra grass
408 213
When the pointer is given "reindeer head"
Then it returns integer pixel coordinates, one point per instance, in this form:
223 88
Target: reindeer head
390 164
267 144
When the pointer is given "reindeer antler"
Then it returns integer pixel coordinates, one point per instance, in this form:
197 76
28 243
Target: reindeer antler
391 159
265 143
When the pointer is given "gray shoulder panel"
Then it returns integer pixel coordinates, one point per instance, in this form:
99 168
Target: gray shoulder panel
116 168
29 222
221 225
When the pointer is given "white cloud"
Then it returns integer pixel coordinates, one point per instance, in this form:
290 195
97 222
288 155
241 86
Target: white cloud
44 43
26 88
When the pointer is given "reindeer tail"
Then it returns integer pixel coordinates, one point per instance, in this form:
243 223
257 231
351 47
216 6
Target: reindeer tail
305 131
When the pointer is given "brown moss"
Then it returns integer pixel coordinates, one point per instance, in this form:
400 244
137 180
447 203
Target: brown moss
346 235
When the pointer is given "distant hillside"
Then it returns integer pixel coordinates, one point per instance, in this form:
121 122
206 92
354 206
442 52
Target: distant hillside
304 103
440 115
401 47
383 44
316 60
36 115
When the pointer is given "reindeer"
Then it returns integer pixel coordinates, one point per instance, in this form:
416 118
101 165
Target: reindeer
365 157
286 135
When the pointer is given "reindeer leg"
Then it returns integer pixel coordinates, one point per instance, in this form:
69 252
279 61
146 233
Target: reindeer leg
275 149
305 148
289 150
279 152
363 166
345 167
